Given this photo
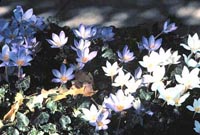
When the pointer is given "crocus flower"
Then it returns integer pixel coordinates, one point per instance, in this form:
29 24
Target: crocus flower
155 78
119 101
20 15
171 95
132 85
137 105
126 55
197 126
190 80
85 32
190 62
193 43
169 27
5 56
102 121
20 58
58 41
121 78
196 106
62 76
85 56
107 34
111 70
91 114
151 62
81 45
151 44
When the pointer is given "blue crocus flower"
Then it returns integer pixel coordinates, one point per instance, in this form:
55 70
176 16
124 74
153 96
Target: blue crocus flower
5 56
20 58
126 55
107 34
85 32
151 44
169 27
62 76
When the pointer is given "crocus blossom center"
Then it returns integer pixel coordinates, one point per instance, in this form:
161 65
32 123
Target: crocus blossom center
64 79
152 46
6 57
120 107
197 109
84 60
20 62
99 123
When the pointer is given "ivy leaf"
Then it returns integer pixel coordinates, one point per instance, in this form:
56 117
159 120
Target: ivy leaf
35 132
64 121
145 95
22 122
23 84
12 131
52 105
108 53
42 118
49 128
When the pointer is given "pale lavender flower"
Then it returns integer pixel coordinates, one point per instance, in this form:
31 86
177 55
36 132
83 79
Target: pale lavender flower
151 44
85 55
20 58
197 126
119 101
126 55
58 41
102 121
85 32
107 34
5 56
62 76
169 27
81 45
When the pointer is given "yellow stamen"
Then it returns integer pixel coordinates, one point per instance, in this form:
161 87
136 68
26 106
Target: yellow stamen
120 108
20 63
100 124
84 60
64 79
6 57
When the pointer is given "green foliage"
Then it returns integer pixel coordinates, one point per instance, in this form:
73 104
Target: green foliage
64 121
42 118
49 128
35 132
52 105
3 91
144 95
23 84
108 53
22 122
12 131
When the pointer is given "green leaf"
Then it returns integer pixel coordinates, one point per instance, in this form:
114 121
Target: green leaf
22 122
3 91
145 95
12 131
64 121
49 128
35 132
23 84
108 53
42 118
52 105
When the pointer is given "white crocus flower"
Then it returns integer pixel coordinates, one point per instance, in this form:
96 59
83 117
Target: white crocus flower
170 94
164 56
174 58
196 106
181 98
189 79
190 61
119 101
91 114
58 41
155 78
197 126
137 104
132 85
193 43
121 78
111 70
150 62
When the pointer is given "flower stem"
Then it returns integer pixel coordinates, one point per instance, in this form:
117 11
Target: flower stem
19 74
159 34
118 125
6 73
